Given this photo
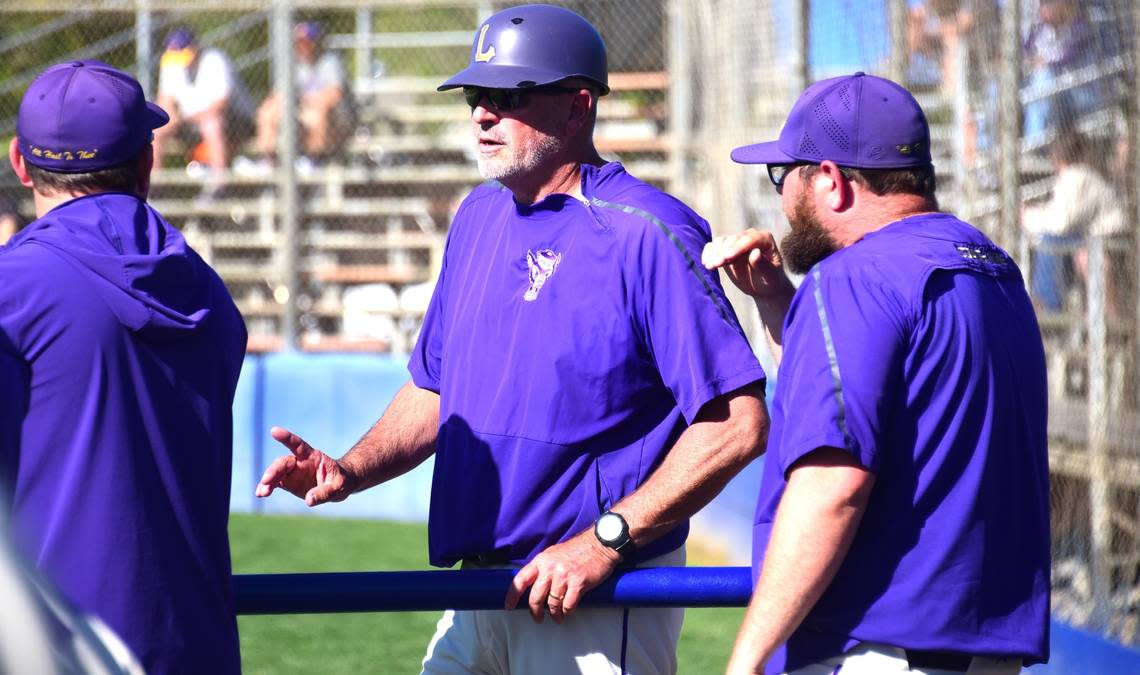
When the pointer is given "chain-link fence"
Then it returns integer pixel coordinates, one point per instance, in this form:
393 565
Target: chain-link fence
326 221
329 242
1033 109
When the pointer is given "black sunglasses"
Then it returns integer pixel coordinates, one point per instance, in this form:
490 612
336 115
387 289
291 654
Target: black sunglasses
508 100
778 173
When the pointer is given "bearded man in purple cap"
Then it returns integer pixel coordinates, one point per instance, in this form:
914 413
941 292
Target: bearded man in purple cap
903 519
582 381
119 354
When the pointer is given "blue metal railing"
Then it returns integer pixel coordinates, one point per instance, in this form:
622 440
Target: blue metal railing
1073 650
478 589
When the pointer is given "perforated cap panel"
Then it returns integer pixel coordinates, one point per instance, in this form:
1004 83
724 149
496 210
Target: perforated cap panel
830 126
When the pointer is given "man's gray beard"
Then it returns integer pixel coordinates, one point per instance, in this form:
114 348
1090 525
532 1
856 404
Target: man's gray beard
807 242
503 169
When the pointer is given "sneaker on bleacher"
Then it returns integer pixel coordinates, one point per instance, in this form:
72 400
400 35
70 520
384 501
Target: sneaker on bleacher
252 168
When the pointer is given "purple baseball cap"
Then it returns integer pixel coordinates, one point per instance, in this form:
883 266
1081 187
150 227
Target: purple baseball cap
85 116
180 38
310 30
533 45
859 121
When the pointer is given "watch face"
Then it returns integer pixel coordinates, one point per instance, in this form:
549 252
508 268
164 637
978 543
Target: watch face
609 527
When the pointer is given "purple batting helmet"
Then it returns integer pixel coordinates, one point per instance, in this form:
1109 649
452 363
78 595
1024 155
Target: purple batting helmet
533 45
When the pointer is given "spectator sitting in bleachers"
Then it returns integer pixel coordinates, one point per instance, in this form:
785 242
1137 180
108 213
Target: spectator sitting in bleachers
204 96
325 113
951 40
935 32
924 46
1084 204
1060 42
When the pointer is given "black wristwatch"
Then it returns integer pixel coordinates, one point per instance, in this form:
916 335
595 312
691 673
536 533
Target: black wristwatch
612 530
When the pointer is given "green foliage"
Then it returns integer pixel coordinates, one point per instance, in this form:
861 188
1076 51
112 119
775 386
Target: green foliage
399 19
387 642
244 36
429 60
19 66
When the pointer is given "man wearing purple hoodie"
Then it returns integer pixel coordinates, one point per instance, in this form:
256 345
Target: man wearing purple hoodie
119 354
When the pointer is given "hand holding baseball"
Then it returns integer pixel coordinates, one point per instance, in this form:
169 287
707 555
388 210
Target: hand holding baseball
752 261
307 472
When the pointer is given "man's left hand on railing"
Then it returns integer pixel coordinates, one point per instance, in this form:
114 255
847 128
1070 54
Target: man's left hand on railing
559 576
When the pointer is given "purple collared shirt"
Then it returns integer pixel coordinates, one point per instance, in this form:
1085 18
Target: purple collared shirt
917 351
571 343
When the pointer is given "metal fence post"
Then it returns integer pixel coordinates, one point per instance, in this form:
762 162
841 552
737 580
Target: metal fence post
736 103
144 32
363 47
963 175
1100 507
801 68
1134 165
680 95
1010 134
288 202
896 18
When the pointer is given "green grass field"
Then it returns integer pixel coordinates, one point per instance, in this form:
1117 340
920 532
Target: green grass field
388 642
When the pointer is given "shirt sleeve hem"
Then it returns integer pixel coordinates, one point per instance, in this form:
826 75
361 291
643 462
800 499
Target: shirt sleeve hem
829 439
720 387
421 379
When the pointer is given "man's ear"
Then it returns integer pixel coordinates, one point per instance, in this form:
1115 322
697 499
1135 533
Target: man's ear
16 159
838 192
581 110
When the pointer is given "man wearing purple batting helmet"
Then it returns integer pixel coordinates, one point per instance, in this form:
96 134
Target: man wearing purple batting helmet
119 355
903 518
582 381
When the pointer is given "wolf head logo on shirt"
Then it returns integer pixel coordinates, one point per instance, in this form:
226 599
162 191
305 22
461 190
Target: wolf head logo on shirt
542 265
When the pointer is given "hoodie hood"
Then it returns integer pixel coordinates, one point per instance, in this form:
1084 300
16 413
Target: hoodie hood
137 262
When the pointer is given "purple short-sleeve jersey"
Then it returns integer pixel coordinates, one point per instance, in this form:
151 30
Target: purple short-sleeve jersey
917 351
571 342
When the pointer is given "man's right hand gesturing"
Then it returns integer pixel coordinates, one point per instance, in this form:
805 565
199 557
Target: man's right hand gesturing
307 472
